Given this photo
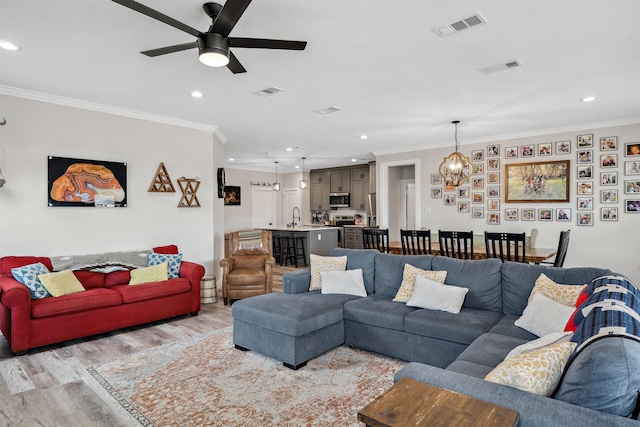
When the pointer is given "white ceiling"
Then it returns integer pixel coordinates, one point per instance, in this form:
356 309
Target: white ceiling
378 60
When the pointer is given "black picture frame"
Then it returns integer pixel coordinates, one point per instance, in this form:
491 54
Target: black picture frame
232 196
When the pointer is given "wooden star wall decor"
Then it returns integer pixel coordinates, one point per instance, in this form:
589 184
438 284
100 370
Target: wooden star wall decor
161 181
189 187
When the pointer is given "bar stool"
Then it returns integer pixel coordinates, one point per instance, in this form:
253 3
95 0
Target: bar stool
278 247
294 250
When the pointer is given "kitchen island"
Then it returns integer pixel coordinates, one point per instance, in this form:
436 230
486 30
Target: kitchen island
318 240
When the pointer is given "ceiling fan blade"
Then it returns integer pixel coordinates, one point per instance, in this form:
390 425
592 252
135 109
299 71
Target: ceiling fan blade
145 10
170 49
234 65
229 16
266 43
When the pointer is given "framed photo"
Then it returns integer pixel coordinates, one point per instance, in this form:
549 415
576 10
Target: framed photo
68 178
585 172
463 207
563 214
545 149
585 218
477 155
537 182
478 197
511 214
609 143
527 150
477 168
449 187
493 218
477 183
632 149
609 160
493 191
477 212
493 204
608 178
609 196
232 196
632 206
563 147
436 193
585 203
449 199
585 141
608 214
493 177
493 150
436 179
585 187
511 153
585 156
632 168
528 214
493 165
545 214
463 192
631 187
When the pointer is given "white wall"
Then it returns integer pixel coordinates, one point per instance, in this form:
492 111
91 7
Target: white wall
614 245
36 130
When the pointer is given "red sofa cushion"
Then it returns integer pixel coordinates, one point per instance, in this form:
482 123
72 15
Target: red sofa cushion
9 262
72 303
116 278
146 291
90 279
167 250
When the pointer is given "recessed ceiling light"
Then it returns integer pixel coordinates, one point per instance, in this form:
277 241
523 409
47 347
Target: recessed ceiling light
8 45
354 160
588 99
363 137
197 94
231 159
297 167
289 149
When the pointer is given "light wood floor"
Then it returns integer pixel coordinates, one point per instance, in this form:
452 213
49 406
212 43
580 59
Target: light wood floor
53 387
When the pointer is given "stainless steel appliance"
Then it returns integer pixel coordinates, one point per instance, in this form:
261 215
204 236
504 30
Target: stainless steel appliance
341 221
339 200
371 210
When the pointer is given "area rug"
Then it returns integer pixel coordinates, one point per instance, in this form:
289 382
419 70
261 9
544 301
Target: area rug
207 382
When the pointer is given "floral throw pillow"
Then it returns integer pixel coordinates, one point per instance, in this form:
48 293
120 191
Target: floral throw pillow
324 263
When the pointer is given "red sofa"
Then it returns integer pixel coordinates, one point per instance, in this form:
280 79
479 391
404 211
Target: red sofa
108 303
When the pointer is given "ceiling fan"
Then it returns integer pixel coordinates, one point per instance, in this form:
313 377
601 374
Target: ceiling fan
213 45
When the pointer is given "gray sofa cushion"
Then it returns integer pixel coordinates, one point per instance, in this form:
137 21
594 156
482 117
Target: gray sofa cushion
377 310
487 351
463 327
604 376
482 277
390 268
518 279
506 327
360 258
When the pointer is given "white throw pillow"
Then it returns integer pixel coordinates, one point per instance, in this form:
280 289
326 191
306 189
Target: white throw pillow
348 282
409 280
547 340
324 263
543 316
436 296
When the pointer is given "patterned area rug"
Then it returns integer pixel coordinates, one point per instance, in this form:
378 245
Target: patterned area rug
207 382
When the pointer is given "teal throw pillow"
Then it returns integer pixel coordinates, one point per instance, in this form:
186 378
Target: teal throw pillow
173 261
28 276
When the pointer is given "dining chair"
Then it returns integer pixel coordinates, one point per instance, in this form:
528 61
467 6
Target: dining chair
376 238
506 246
456 244
416 242
561 253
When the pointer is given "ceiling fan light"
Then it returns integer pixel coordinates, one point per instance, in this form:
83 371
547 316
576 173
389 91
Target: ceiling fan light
214 50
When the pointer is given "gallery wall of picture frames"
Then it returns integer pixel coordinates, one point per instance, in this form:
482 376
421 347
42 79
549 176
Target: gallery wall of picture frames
607 176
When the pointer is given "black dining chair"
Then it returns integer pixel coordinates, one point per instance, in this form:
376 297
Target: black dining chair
506 246
376 238
561 253
416 242
456 244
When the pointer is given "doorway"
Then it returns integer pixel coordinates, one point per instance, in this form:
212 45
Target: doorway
391 196
407 217
263 209
290 202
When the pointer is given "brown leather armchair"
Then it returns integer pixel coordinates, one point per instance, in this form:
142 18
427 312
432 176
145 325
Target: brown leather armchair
247 269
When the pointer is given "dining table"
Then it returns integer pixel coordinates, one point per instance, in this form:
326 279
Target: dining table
532 255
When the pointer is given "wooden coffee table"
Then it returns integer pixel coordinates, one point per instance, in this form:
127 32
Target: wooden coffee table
414 403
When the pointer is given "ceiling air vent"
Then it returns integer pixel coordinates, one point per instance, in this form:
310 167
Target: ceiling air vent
501 67
327 110
269 91
463 24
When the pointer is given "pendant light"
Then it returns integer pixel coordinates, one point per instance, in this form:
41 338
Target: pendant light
304 183
456 167
276 185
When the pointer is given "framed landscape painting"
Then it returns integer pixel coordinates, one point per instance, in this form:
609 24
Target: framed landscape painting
537 182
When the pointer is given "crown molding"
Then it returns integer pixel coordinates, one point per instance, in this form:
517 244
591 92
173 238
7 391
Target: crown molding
108 109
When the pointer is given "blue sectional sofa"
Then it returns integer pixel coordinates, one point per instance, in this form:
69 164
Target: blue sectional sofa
453 351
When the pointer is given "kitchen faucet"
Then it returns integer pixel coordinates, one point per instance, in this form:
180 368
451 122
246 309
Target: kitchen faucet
293 220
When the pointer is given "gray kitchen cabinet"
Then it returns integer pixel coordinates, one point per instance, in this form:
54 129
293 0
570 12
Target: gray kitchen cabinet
320 177
341 181
360 173
353 238
359 193
319 196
